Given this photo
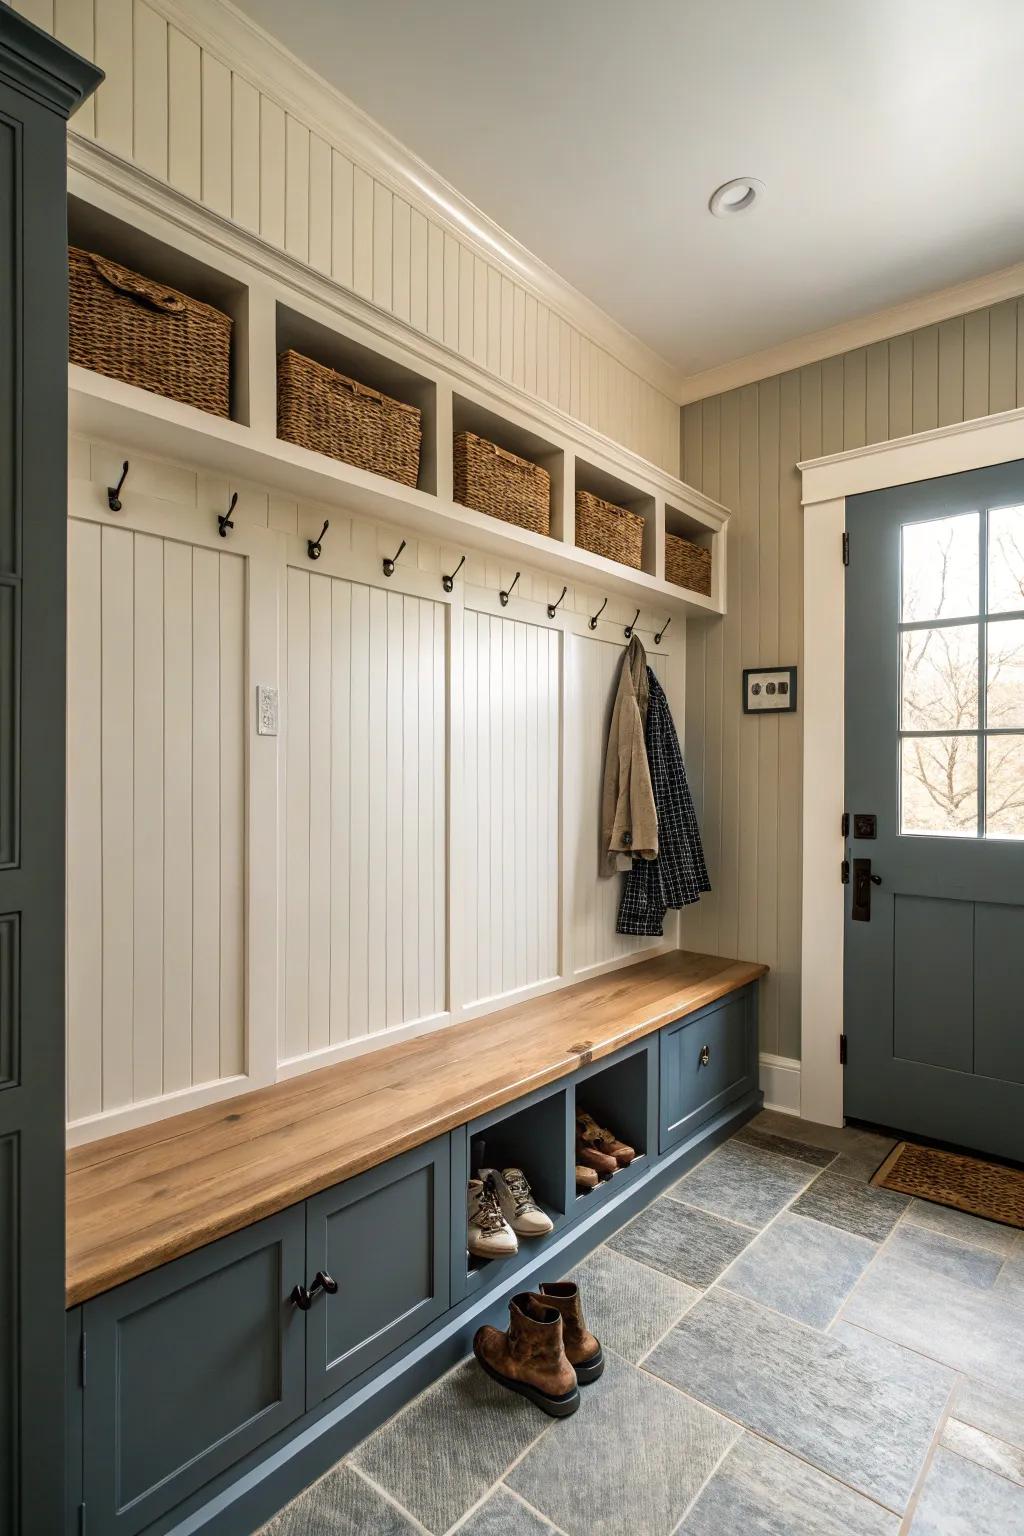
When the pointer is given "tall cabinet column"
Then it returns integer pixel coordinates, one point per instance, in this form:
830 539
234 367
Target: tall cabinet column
41 83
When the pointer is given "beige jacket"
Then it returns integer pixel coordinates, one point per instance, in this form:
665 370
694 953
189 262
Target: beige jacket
629 821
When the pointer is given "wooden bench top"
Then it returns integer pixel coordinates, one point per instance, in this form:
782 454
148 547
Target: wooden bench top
139 1199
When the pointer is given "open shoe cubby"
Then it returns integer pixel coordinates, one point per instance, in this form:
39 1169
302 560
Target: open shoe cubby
94 229
620 1095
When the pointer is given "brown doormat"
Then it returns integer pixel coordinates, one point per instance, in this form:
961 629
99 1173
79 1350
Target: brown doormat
969 1184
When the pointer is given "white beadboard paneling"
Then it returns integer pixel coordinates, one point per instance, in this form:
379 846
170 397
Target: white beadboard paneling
341 218
296 189
156 859
215 136
592 678
185 114
114 27
75 23
272 160
511 716
245 160
365 938
149 96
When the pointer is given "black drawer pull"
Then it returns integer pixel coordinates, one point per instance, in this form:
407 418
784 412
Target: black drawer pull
322 1281
705 1055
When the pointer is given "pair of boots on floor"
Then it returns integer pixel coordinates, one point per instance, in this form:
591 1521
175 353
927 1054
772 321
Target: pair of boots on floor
547 1351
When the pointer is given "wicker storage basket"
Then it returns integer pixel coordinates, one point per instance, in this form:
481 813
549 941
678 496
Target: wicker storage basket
492 480
688 565
145 333
330 413
605 529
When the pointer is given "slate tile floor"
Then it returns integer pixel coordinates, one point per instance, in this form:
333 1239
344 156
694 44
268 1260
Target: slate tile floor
790 1351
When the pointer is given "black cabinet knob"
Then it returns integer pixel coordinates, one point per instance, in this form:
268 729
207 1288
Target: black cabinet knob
322 1281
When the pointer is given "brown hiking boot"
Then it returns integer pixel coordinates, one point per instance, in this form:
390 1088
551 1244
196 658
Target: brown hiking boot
593 1135
582 1349
530 1358
590 1157
586 1178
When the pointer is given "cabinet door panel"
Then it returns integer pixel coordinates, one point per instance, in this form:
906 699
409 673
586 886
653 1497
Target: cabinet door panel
191 1367
384 1237
706 1062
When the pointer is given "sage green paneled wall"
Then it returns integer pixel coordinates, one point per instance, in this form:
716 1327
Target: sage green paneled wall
742 448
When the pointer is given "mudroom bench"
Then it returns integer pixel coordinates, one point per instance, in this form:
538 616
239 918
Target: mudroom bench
253 1286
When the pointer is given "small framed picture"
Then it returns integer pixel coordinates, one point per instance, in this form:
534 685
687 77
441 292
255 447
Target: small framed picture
769 690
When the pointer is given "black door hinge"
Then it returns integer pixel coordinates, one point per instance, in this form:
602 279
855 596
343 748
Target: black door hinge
845 826
81 1360
81 1520
844 872
846 548
842 1050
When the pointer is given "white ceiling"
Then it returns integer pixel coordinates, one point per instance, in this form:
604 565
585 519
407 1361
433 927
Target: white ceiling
889 134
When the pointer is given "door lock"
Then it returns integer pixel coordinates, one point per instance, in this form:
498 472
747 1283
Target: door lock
863 880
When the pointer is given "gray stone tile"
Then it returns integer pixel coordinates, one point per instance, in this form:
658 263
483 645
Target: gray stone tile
760 1488
965 1228
970 1330
855 1207
959 1498
801 1151
863 1155
808 1392
505 1515
883 1359
440 1455
802 1268
630 1460
743 1184
681 1241
341 1504
831 1137
986 1450
629 1305
933 1250
995 1412
1010 1283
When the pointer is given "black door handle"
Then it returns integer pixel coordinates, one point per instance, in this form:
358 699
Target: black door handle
863 880
876 879
322 1281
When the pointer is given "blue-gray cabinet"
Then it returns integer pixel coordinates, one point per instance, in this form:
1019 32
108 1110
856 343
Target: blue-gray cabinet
189 1368
383 1238
708 1059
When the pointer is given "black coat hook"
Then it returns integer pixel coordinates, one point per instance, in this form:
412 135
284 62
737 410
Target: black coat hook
657 638
628 631
448 582
592 621
389 560
503 597
114 491
554 607
224 524
313 545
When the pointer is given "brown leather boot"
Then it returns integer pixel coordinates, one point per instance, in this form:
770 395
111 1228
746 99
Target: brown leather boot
586 1178
593 1135
590 1157
530 1358
582 1349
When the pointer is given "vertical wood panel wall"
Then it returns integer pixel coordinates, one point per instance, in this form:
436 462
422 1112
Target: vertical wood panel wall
742 449
365 835
511 697
206 126
156 858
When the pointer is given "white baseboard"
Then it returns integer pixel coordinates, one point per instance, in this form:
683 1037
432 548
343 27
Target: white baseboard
780 1080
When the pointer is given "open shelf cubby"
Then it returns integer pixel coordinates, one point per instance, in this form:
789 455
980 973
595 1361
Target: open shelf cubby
374 369
619 1097
599 482
94 229
530 1135
469 416
686 526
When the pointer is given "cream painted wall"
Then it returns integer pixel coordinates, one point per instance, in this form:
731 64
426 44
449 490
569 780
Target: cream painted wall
188 101
742 448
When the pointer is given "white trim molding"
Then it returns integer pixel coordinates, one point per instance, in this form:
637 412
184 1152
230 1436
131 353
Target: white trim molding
827 483
780 1083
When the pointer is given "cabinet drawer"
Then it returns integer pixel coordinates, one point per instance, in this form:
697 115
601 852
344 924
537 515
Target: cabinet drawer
189 1368
384 1238
706 1062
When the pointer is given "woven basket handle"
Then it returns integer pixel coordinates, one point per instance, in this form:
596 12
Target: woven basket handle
362 390
139 288
509 458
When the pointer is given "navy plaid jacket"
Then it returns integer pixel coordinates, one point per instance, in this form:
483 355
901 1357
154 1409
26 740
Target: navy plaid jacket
678 876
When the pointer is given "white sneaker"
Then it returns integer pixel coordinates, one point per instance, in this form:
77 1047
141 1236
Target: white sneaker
515 1198
489 1235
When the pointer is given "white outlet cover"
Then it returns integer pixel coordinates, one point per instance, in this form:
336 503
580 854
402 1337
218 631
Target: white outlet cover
266 711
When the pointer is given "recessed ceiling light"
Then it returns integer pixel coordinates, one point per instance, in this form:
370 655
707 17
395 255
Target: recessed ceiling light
736 196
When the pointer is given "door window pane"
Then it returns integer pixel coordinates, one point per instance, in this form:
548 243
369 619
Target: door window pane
940 568
1004 786
1005 703
939 679
1005 559
939 785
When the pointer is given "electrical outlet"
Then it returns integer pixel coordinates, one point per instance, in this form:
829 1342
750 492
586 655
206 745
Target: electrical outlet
769 690
266 711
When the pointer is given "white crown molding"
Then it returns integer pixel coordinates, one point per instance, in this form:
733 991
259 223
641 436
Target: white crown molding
248 50
945 304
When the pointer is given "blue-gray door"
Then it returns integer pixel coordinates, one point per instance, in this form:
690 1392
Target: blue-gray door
934 967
